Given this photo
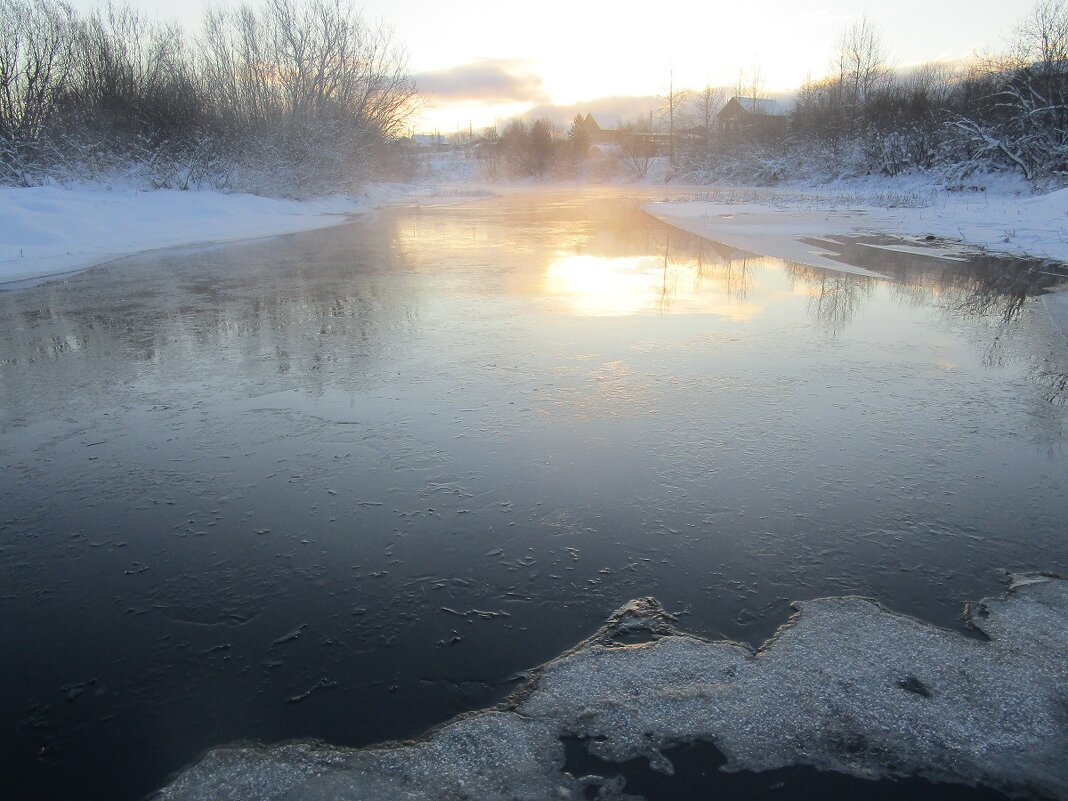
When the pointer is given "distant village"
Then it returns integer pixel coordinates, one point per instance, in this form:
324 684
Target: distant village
749 118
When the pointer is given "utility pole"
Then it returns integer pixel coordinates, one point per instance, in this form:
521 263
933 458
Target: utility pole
671 117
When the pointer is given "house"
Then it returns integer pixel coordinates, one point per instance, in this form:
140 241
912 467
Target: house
434 141
751 118
601 128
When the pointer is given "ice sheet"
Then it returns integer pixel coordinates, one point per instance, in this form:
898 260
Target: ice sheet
845 685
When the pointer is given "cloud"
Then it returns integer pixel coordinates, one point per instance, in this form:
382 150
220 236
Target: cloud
485 81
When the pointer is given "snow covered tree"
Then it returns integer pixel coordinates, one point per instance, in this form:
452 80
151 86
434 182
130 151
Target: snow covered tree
1021 120
527 149
288 96
308 82
36 54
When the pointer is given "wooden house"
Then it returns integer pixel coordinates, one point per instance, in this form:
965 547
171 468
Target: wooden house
751 118
601 128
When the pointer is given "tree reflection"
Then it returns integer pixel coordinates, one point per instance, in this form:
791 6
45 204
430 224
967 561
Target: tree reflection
834 298
650 266
837 299
1054 383
296 307
691 265
995 291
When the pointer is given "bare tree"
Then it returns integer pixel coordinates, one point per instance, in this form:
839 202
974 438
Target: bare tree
130 75
36 53
750 84
1042 36
707 104
638 147
296 96
527 150
703 109
671 102
860 64
311 81
1022 121
934 82
578 144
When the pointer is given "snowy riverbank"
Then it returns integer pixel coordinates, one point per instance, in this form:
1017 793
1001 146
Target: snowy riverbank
773 223
51 231
789 224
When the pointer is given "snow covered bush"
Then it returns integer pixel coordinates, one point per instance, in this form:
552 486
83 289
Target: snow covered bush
290 97
1020 121
1003 114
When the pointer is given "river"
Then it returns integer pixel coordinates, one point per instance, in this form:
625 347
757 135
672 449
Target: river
347 484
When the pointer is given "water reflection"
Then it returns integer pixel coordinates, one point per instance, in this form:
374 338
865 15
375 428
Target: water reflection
208 318
539 405
980 286
674 283
834 298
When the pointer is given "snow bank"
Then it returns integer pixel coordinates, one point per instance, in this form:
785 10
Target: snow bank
940 224
844 686
48 231
773 223
51 231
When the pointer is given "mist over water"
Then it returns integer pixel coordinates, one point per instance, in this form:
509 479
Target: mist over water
347 484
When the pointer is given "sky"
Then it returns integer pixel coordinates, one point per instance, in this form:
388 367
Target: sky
480 61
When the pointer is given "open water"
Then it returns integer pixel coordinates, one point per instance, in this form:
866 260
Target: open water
347 484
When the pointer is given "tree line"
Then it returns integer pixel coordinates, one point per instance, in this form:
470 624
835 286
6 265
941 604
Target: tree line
286 97
1003 112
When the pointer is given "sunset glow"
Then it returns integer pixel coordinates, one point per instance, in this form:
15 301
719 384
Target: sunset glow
594 286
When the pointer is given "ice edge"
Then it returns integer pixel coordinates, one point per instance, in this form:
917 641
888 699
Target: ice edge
844 685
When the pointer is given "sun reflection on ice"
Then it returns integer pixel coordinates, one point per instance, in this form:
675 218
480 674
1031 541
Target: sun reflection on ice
619 286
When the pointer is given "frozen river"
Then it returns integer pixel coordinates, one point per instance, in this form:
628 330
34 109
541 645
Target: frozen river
346 484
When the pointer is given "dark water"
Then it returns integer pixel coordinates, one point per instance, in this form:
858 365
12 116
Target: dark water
347 484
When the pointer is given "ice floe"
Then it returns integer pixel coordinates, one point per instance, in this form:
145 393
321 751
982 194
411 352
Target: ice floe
845 685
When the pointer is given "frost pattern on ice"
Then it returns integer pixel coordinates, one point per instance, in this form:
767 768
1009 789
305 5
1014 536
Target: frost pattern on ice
845 685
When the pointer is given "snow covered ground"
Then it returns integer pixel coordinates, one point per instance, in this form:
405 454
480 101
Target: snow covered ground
784 223
50 231
773 223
